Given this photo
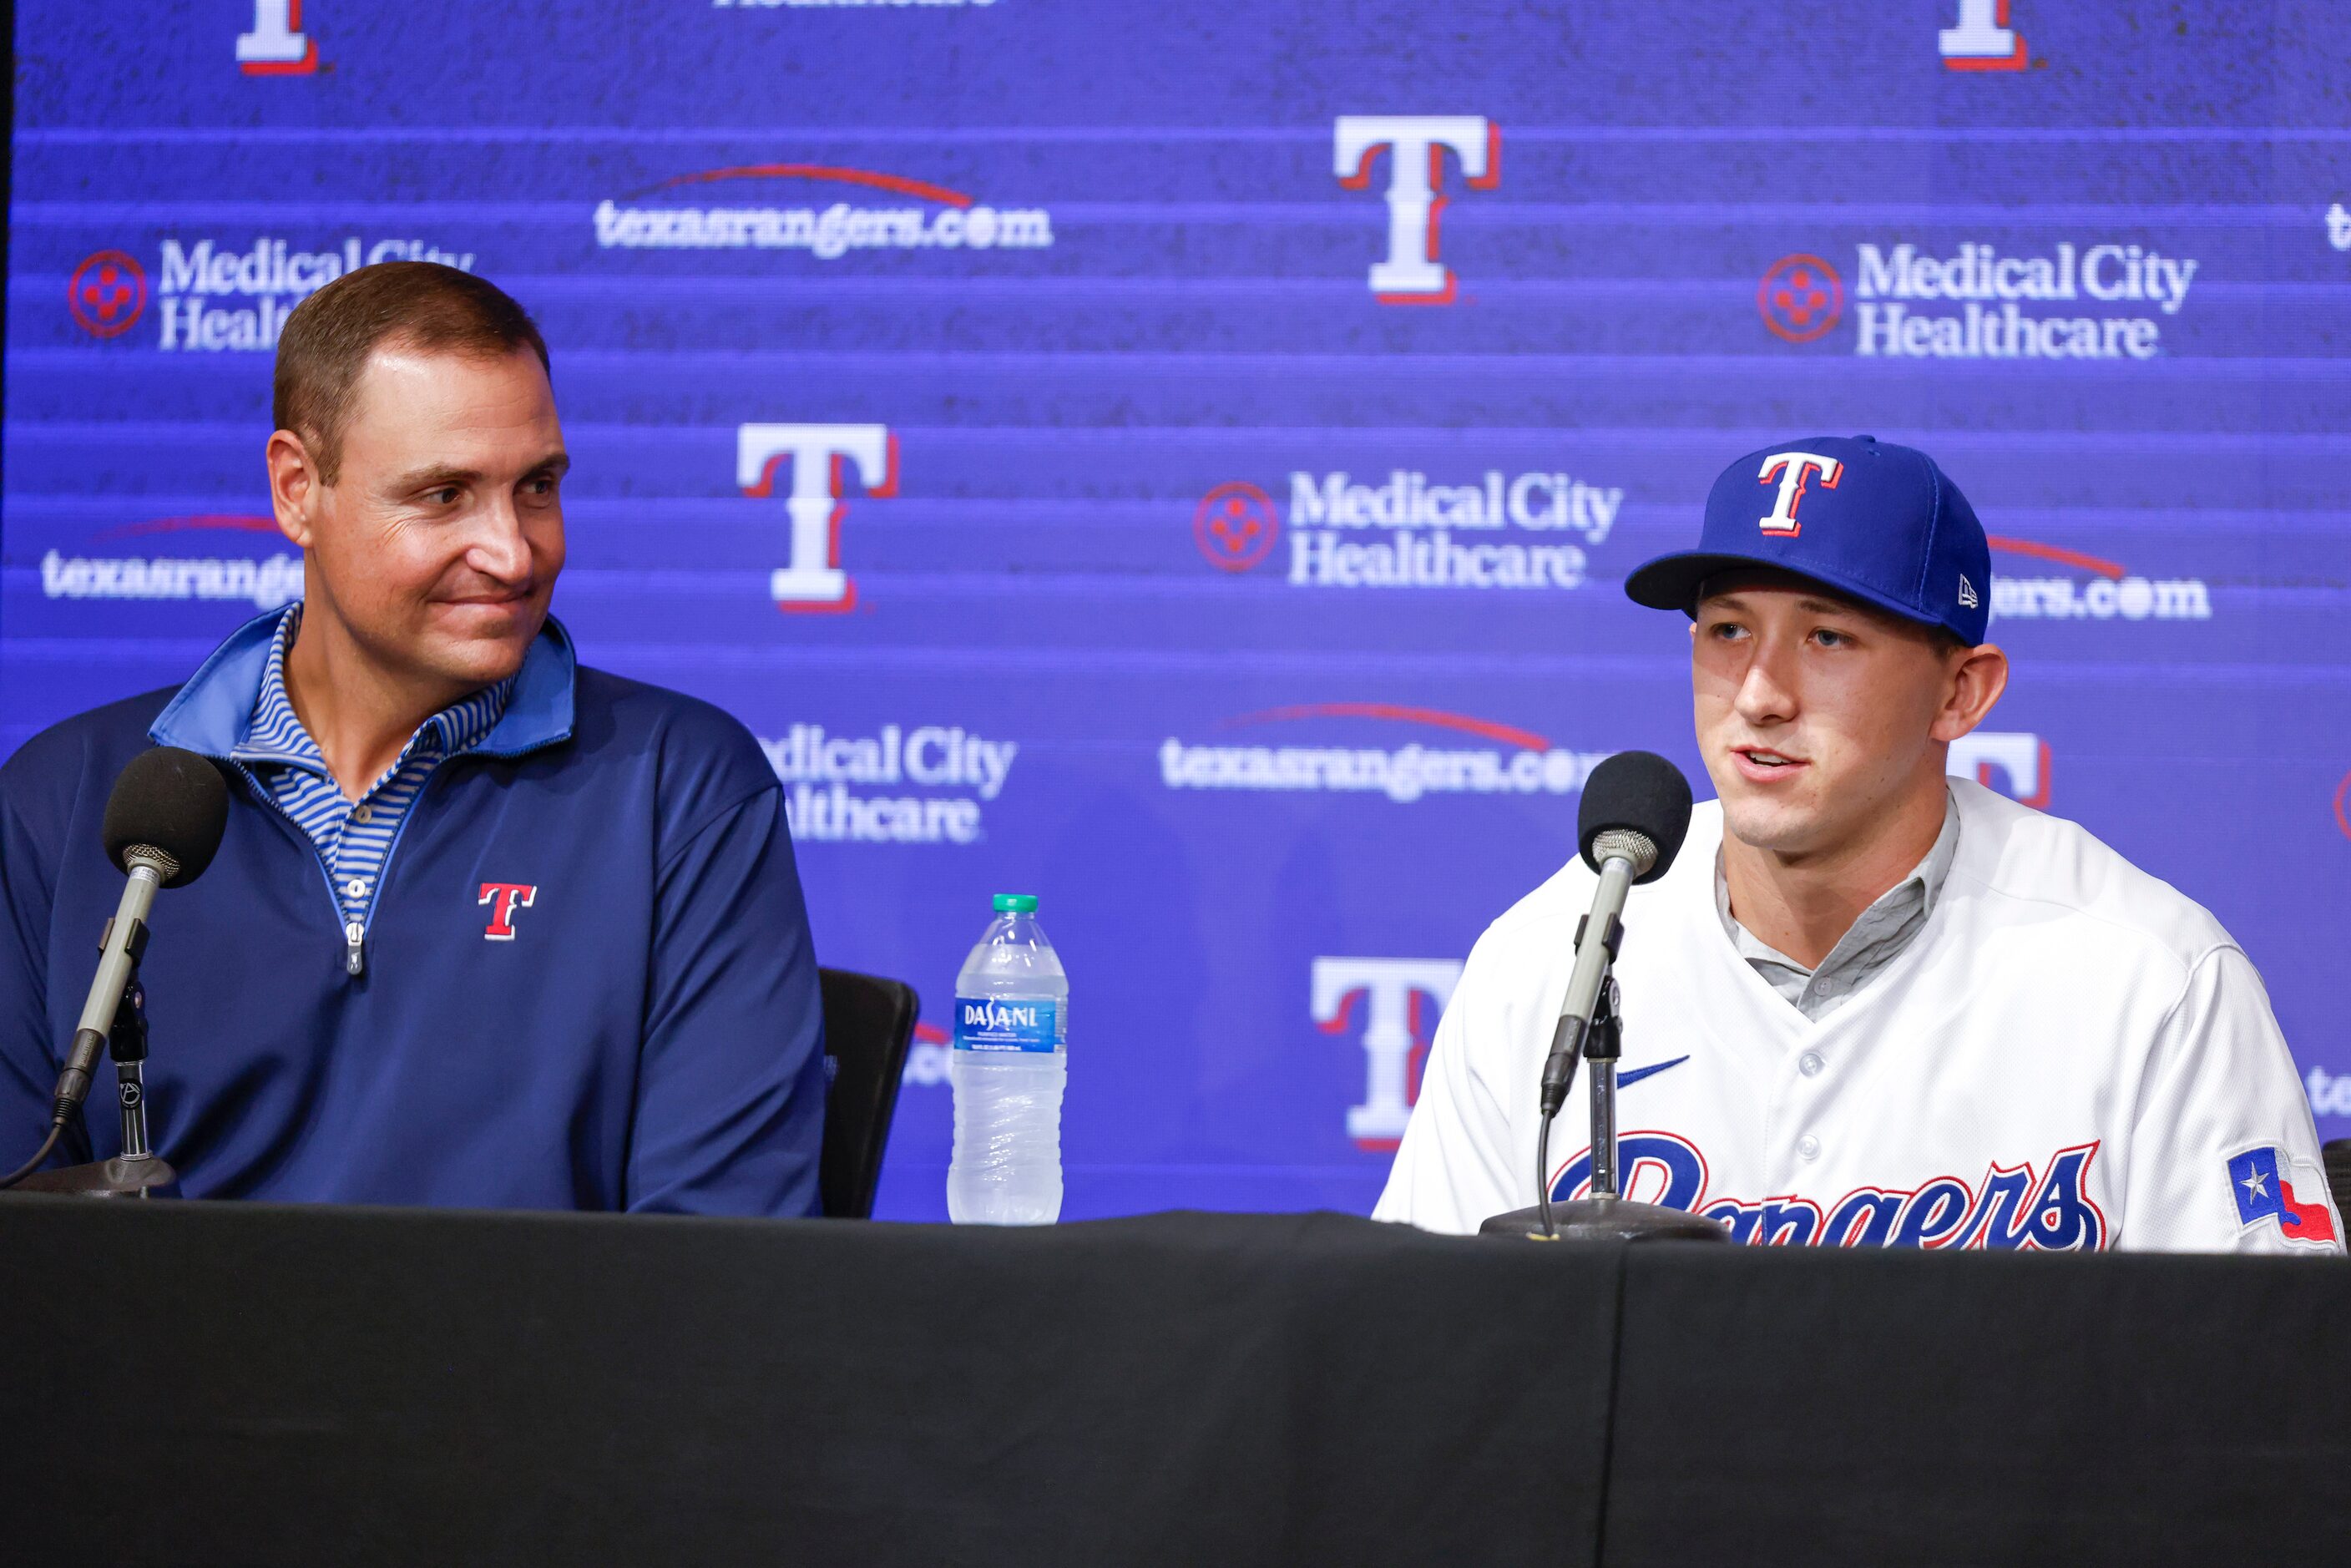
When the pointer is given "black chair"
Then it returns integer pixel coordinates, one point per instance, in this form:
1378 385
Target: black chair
2338 1174
868 1022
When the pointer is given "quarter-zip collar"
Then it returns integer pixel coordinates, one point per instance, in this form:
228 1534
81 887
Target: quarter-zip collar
212 713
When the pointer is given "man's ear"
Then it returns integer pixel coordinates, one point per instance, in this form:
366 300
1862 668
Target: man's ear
295 487
1974 682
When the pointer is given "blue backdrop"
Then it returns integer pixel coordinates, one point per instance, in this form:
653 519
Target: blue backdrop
1183 461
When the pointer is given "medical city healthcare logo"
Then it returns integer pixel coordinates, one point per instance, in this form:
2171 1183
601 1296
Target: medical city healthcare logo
901 784
223 296
1416 145
1531 530
107 294
2002 305
1800 297
945 221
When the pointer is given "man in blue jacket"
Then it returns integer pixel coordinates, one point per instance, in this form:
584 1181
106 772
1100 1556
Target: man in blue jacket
487 929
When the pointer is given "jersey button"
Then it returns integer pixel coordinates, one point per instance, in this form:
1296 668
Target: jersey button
1810 1065
1809 1146
355 888
361 814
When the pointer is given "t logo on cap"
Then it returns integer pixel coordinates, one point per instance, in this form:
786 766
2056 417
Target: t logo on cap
1789 468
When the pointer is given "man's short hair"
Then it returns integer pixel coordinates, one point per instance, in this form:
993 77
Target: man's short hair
416 304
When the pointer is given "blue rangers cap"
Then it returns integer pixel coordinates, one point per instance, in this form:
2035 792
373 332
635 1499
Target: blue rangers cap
1875 522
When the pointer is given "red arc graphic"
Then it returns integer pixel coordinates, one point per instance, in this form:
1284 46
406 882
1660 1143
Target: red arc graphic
879 182
1525 739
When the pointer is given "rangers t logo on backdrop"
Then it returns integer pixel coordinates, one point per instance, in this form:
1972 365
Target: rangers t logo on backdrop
277 47
1393 1036
1983 41
814 580
1416 143
2015 763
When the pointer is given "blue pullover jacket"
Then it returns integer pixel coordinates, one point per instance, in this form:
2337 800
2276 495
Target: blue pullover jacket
648 1037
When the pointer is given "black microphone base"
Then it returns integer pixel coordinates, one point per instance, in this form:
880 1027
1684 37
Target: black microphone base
117 1177
1606 1220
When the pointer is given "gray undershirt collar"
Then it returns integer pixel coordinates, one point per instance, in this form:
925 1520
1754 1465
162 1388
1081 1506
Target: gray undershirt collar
1882 933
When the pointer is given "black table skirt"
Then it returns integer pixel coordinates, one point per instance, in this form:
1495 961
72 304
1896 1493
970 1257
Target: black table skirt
246 1384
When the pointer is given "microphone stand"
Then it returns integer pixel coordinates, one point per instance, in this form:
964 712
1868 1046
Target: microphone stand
1607 1215
138 1171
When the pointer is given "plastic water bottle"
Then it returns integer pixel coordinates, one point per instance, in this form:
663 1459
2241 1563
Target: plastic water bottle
1009 1066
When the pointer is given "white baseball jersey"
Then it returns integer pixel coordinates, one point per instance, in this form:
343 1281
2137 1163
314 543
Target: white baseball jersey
2069 1054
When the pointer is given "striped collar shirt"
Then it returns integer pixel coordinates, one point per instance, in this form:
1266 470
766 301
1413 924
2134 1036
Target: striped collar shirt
354 837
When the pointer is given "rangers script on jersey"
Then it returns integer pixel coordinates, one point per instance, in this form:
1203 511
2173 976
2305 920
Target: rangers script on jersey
2070 1054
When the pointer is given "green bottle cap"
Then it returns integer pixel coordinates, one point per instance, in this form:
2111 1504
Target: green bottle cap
1016 904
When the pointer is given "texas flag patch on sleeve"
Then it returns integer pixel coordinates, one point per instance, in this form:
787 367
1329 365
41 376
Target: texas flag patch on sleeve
2257 1177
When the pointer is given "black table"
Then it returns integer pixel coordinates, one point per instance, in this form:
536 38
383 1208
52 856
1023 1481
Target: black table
225 1384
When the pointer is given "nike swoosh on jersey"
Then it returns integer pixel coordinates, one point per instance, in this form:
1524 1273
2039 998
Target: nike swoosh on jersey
1626 1079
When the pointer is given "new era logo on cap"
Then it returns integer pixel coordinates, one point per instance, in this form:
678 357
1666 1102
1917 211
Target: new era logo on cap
1873 521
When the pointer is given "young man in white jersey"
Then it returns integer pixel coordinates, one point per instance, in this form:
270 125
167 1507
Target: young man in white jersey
1870 1005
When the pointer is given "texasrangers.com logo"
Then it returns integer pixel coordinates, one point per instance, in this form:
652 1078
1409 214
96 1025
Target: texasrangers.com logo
1516 761
1409 529
109 571
928 218
2095 589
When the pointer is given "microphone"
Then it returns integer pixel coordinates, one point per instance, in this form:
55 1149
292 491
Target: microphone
162 826
1635 814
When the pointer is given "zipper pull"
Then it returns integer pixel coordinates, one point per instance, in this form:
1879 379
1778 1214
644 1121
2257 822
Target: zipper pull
353 935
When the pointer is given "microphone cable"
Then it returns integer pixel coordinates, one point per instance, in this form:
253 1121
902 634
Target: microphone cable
30 1166
1542 1175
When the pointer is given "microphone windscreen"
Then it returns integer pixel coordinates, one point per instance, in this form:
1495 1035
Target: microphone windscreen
1638 790
173 800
